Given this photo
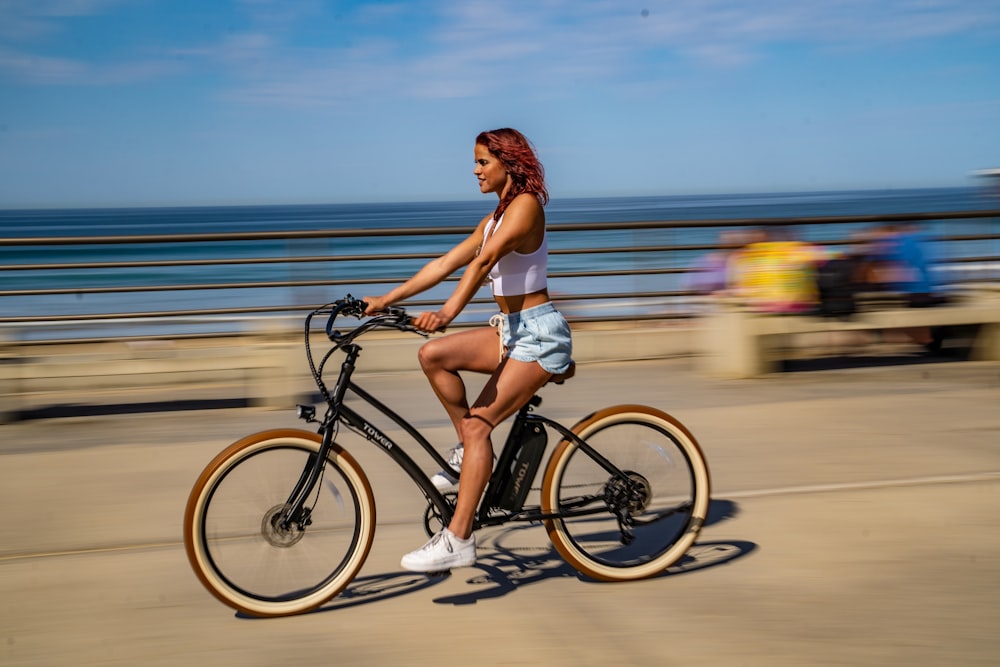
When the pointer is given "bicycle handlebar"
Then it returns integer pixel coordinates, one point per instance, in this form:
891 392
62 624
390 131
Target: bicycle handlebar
394 317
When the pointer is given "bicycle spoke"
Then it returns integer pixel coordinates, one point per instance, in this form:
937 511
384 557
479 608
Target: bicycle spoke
252 557
648 505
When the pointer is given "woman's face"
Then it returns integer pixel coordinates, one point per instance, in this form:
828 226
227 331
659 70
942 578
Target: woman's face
490 171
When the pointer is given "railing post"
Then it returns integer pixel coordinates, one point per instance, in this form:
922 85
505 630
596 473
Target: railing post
269 364
730 348
11 368
986 346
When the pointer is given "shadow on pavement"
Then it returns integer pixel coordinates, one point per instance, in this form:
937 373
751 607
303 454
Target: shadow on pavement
508 561
375 588
506 567
126 408
512 567
847 360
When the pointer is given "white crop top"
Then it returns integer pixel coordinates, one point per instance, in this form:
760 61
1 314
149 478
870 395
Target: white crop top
516 273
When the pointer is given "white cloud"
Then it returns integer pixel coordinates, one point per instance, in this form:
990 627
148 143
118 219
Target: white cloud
233 48
40 70
25 20
463 48
37 69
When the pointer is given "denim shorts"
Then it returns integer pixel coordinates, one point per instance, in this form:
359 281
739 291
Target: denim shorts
538 334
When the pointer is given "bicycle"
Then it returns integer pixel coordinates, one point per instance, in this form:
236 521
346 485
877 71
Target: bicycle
281 521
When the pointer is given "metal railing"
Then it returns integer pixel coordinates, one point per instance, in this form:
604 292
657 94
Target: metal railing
590 266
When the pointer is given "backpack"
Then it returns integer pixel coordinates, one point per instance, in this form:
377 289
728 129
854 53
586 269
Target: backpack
837 287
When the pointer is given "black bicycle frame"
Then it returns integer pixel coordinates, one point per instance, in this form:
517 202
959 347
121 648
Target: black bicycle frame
445 509
523 421
395 451
484 517
338 412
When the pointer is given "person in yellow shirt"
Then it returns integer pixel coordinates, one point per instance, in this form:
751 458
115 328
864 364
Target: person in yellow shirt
775 273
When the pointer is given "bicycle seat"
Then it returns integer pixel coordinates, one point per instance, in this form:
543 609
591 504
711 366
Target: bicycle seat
559 378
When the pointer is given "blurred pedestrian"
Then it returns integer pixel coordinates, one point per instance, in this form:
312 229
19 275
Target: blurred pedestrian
902 256
775 273
711 270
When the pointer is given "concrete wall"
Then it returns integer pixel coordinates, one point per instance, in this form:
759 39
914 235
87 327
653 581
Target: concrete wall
265 367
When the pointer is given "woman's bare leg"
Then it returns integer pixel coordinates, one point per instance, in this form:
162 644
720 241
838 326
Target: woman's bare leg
512 384
441 359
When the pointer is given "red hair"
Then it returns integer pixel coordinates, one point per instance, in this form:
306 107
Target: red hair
519 159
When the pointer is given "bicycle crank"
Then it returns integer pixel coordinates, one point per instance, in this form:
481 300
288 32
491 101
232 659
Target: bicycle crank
433 521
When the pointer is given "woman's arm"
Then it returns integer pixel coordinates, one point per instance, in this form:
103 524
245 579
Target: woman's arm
431 273
522 230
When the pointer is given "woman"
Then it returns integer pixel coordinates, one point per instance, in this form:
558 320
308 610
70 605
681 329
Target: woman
532 343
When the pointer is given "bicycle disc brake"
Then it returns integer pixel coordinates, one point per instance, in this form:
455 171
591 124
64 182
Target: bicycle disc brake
283 536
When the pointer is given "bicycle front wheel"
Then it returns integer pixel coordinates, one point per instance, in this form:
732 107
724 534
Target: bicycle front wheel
662 507
237 544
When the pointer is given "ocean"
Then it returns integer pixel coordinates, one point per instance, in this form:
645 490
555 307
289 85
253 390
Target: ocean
356 277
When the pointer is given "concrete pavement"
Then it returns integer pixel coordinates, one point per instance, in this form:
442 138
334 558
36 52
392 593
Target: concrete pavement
854 522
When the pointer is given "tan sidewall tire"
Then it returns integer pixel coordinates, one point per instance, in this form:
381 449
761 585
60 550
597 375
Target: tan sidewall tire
220 464
560 538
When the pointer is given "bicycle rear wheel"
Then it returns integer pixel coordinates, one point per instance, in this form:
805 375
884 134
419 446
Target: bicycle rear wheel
237 546
666 506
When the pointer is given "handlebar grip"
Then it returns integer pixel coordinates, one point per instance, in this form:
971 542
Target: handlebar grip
349 306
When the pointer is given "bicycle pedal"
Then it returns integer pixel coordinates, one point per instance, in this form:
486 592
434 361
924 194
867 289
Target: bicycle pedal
438 574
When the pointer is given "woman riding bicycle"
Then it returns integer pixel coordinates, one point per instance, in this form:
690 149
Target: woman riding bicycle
530 344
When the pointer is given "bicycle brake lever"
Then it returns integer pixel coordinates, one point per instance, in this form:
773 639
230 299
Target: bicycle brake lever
356 307
406 324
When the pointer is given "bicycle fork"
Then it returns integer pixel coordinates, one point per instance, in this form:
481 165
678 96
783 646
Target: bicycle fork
295 511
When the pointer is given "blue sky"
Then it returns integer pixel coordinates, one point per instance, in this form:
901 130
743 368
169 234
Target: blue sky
145 102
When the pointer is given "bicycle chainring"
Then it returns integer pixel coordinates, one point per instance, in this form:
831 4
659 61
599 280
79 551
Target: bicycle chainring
433 521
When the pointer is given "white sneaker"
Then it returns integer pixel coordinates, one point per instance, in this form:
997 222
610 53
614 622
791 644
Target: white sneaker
443 480
443 552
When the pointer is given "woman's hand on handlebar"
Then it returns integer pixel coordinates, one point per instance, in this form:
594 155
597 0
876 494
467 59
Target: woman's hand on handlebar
428 322
376 304
431 322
